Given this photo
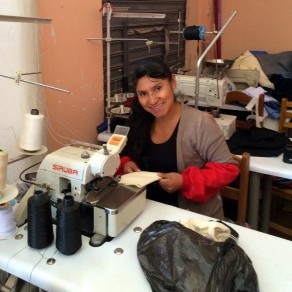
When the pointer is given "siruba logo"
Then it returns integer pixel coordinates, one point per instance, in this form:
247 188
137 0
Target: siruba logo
65 169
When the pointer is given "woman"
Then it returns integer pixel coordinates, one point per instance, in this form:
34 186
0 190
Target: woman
184 145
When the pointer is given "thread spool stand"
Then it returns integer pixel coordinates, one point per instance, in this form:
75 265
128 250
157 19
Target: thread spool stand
198 33
7 192
200 60
107 11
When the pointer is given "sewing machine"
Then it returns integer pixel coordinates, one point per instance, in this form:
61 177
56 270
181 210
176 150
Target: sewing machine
212 93
87 173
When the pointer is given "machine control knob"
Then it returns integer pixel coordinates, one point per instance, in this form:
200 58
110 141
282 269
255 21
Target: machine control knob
105 150
85 155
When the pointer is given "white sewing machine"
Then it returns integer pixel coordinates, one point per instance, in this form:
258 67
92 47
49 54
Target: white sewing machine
212 93
87 173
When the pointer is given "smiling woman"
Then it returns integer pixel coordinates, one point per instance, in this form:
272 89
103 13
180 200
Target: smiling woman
184 145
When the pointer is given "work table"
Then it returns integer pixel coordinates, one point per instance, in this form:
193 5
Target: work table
101 269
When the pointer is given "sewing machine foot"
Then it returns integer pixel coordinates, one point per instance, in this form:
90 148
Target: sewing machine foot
97 240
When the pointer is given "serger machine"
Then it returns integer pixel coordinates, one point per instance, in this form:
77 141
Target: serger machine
87 173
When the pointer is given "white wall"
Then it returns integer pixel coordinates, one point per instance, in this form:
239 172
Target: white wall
18 53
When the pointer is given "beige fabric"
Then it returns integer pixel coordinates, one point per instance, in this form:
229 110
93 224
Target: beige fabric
139 178
250 62
210 229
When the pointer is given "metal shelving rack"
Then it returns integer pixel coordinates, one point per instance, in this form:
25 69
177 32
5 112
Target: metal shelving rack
108 13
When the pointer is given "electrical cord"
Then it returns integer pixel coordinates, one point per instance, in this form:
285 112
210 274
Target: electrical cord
27 181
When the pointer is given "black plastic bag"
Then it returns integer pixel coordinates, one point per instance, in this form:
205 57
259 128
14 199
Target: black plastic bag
176 258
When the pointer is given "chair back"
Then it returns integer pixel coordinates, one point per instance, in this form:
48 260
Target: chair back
239 193
285 115
281 192
244 99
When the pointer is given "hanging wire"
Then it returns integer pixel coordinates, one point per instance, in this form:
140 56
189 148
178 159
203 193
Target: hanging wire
25 170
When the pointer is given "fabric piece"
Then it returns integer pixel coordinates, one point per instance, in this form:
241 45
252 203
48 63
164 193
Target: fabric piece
254 91
273 109
250 62
280 63
260 142
210 229
283 87
139 178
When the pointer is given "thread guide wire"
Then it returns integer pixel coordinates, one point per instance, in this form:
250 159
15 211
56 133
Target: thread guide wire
18 77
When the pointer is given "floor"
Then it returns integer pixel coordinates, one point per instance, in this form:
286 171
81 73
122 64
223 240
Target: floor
280 214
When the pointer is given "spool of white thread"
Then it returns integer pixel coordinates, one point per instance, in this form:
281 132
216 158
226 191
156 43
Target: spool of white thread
3 171
32 133
7 222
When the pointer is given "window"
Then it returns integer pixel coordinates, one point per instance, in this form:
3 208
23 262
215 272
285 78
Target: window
154 37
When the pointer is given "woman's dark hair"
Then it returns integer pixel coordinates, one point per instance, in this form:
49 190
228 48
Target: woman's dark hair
140 121
153 68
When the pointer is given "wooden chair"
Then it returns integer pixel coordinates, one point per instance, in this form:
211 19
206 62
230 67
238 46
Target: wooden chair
239 192
284 125
242 98
285 115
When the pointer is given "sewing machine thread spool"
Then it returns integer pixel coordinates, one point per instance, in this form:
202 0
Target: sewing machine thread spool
31 136
68 238
3 171
7 222
194 32
39 220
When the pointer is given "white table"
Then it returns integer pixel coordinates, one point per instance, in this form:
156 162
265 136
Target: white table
100 269
266 167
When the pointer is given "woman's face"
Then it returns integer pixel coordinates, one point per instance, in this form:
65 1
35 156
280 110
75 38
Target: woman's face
155 95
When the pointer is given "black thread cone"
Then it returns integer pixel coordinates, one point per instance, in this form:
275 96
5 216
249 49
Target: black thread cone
68 237
39 221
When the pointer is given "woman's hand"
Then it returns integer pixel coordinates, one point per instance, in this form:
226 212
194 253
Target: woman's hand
171 182
131 166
